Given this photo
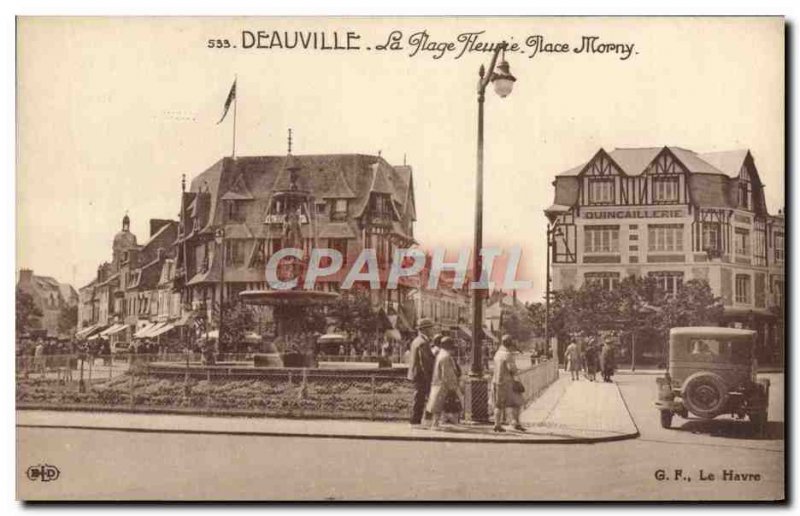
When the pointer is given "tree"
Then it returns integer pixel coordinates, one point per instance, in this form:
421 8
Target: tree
354 314
518 323
27 313
239 319
636 306
67 319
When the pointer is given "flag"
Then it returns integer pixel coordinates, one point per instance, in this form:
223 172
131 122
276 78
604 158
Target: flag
231 98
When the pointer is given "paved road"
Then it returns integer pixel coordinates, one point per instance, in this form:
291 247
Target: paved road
137 465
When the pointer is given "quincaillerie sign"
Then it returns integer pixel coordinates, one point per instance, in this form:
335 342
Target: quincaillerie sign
638 213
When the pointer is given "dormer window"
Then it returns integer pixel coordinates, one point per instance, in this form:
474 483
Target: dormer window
744 195
339 209
601 191
235 211
665 189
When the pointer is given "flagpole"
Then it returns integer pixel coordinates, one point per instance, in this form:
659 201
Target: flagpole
235 103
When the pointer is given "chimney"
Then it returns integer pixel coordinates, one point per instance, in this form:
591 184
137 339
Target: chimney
25 275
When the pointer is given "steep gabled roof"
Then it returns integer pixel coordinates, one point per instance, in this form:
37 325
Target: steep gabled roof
339 189
729 162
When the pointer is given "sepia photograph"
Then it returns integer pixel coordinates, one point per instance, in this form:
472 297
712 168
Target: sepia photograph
400 259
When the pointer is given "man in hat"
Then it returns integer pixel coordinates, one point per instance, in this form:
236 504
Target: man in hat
420 369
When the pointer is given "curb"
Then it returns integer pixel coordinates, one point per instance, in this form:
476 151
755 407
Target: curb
428 438
627 409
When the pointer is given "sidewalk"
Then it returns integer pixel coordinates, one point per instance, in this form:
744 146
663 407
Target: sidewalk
568 412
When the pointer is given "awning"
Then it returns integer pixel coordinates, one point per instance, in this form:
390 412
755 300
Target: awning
149 333
89 330
113 329
164 328
144 330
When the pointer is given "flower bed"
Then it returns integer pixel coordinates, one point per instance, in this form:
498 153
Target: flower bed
322 397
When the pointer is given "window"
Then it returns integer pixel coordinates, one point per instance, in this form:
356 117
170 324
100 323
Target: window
669 281
275 245
742 288
339 211
779 247
234 251
665 189
601 191
665 237
778 293
339 244
235 211
742 241
601 239
744 195
606 280
711 236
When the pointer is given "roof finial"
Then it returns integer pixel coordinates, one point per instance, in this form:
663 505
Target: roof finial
404 159
379 153
289 140
183 182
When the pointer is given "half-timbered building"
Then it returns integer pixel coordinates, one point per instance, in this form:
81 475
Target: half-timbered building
674 215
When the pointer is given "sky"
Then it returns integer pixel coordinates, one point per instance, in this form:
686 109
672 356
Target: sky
111 112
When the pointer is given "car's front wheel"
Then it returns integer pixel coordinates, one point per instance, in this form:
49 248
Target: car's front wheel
666 418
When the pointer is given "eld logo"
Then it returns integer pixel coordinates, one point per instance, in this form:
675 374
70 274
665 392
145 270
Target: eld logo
43 472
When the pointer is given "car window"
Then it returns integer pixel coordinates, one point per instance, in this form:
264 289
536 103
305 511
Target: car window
707 348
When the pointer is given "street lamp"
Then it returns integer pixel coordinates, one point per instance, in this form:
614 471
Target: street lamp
553 230
503 84
219 238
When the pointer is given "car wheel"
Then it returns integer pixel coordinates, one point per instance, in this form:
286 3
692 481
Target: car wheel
705 394
759 421
666 418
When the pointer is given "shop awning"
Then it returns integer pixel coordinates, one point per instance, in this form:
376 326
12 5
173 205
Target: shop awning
149 333
113 329
164 328
89 330
144 330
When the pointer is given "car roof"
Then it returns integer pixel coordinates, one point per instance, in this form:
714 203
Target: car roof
711 331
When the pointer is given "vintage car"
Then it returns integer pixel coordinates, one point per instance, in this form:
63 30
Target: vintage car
712 371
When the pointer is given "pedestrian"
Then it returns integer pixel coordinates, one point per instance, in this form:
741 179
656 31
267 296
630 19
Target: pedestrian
444 384
420 369
592 361
607 360
38 357
505 390
572 358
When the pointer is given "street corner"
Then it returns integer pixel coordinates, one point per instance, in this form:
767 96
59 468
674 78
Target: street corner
595 411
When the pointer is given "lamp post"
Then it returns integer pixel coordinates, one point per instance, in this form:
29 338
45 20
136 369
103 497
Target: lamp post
503 83
219 238
553 230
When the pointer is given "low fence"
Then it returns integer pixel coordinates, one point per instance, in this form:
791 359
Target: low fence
151 383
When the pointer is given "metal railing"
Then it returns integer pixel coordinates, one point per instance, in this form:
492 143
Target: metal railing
183 383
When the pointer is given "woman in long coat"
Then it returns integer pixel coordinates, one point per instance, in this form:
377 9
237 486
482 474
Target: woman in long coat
572 357
503 394
444 381
607 361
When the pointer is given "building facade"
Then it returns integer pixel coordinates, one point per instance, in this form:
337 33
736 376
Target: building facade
262 204
50 297
674 215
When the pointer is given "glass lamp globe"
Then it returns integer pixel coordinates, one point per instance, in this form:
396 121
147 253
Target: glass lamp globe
503 80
